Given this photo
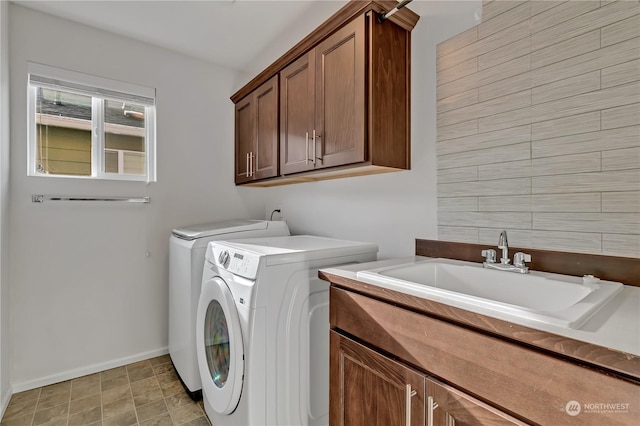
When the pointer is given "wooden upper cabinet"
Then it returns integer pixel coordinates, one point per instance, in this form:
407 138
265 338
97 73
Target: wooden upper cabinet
323 105
343 98
256 134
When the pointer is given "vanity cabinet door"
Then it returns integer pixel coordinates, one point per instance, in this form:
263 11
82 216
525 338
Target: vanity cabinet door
369 389
447 406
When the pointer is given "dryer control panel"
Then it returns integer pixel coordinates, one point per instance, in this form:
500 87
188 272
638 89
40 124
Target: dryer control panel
242 263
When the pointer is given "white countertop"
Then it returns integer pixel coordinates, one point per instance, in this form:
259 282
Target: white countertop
615 326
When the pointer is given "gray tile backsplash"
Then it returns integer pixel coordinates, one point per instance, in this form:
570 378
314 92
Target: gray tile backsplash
539 127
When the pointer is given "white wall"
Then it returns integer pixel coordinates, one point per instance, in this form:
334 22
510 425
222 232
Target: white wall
390 209
5 384
314 16
82 290
83 293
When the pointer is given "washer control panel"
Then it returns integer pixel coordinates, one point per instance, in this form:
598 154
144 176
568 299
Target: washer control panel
240 263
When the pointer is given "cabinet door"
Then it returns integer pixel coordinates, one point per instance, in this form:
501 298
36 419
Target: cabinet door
245 137
256 144
340 97
368 389
265 150
447 406
296 115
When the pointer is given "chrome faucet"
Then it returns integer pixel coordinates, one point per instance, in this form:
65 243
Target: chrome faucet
519 258
504 245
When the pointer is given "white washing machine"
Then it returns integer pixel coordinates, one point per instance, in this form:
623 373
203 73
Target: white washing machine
186 259
263 328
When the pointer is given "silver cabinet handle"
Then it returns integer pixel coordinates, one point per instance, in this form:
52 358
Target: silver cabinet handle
247 168
432 405
451 421
306 150
408 394
251 163
313 153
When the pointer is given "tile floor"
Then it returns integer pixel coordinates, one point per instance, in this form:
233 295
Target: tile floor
144 393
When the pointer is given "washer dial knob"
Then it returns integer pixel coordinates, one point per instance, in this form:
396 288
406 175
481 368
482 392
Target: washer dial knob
224 259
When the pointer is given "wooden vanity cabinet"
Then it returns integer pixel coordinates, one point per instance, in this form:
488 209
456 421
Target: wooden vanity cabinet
368 388
379 347
256 134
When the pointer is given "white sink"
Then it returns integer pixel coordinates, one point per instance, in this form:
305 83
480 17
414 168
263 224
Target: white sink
542 297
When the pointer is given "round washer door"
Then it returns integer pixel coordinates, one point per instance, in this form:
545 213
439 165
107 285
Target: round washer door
219 345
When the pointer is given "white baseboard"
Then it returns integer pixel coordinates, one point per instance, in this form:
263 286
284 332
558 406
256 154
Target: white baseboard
4 402
83 371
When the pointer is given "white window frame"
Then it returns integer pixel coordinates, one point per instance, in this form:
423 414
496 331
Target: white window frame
121 153
100 89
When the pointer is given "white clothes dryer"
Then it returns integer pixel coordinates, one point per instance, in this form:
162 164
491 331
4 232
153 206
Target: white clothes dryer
187 248
263 328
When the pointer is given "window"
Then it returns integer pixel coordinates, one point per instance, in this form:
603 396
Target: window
87 126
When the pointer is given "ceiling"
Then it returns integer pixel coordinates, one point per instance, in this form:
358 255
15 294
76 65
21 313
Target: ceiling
226 32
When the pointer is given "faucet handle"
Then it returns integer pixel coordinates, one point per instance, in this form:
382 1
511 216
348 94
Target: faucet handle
490 255
520 258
